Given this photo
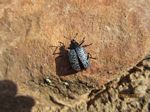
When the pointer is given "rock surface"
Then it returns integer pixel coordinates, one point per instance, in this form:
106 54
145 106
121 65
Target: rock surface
119 31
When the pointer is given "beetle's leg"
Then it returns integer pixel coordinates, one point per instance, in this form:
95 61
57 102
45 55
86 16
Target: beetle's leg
61 44
56 47
87 45
55 51
90 56
83 40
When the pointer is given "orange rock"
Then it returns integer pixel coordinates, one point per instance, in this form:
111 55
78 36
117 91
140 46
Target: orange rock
118 29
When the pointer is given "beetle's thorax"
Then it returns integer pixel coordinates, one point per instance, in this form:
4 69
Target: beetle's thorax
74 44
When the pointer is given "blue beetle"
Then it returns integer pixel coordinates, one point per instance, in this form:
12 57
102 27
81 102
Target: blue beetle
78 57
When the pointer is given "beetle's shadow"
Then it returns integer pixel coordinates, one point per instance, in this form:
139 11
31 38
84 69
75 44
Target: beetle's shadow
63 67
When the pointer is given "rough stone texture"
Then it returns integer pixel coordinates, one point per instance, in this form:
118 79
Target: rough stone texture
130 93
119 31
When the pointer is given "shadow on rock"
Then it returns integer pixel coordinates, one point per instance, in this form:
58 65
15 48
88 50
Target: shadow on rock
10 102
63 66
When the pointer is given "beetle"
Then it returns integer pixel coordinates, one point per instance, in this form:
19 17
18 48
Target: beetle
77 56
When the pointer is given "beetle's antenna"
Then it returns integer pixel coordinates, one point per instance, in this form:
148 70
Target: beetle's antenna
75 36
67 38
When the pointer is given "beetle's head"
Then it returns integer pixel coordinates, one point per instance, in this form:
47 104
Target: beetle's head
73 41
74 44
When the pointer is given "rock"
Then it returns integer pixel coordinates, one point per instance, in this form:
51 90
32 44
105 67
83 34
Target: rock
30 31
146 63
140 91
118 30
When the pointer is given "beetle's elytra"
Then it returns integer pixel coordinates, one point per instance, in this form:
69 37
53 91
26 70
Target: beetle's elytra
78 57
